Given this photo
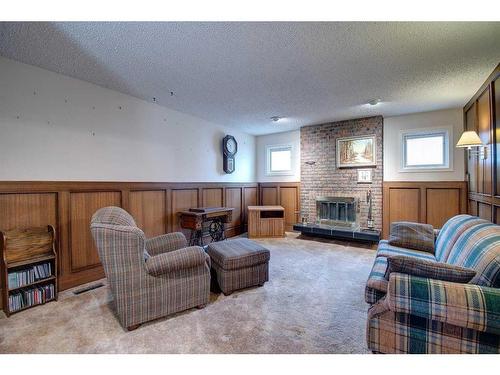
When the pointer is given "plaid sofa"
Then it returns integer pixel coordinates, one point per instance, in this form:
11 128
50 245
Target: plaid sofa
410 314
148 278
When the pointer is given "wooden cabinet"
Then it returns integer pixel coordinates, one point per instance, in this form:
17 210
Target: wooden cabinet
266 221
484 130
472 160
481 114
496 134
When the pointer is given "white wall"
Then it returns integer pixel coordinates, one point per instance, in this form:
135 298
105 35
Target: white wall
393 126
293 138
53 127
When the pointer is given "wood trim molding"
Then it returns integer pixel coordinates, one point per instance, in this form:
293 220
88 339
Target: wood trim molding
81 186
417 201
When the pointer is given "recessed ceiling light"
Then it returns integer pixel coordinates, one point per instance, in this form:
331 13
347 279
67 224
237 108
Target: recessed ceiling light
374 101
276 118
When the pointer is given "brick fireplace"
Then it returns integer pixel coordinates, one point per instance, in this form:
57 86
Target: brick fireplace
320 176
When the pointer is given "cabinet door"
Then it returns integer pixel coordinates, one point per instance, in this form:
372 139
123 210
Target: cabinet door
484 131
472 161
271 227
496 130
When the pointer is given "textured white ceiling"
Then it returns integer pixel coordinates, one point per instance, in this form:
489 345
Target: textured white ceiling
240 74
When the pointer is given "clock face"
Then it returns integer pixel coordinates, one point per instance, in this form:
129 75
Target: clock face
231 146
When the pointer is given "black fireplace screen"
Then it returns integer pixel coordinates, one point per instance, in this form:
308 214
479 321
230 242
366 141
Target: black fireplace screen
336 210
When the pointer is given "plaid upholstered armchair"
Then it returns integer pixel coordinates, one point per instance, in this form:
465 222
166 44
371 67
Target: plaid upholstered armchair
148 278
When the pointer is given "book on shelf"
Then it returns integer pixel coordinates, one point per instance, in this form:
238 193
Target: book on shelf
30 297
29 275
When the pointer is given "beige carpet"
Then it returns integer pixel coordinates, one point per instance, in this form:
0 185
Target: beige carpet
313 303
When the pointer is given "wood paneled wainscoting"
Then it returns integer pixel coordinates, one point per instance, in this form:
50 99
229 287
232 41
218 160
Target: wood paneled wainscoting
68 206
423 202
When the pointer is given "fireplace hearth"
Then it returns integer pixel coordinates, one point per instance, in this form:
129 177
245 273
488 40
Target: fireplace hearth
337 218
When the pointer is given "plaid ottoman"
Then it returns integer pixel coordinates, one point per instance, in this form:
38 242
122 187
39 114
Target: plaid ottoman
239 263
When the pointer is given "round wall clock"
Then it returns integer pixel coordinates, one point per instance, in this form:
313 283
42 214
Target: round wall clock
229 149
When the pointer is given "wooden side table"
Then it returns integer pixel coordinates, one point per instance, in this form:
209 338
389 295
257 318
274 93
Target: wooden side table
266 221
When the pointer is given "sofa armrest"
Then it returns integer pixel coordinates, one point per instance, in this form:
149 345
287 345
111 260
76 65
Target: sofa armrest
165 242
176 260
464 305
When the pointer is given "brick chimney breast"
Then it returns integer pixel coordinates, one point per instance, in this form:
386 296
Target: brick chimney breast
321 177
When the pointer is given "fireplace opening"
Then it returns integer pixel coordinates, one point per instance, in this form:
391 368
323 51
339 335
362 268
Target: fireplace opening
336 211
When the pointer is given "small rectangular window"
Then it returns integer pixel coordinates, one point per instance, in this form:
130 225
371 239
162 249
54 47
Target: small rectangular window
279 160
425 150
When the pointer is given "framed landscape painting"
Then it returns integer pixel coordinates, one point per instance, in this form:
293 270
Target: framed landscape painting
353 152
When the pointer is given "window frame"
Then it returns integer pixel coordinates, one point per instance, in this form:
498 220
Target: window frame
280 147
446 132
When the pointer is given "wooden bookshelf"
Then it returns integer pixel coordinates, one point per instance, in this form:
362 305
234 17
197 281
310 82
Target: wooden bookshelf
22 251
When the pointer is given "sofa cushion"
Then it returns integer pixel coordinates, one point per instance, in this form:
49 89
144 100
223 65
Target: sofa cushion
479 248
451 232
237 253
410 235
428 269
387 250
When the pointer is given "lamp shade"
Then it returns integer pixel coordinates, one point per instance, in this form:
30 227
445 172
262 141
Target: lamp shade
469 139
